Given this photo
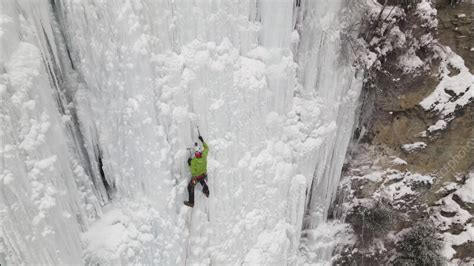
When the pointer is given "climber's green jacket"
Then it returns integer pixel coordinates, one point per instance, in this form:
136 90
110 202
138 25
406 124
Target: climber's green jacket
199 165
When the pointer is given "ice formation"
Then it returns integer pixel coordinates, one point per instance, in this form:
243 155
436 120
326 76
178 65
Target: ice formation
101 98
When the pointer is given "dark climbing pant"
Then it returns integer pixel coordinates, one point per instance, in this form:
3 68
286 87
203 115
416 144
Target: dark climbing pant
192 184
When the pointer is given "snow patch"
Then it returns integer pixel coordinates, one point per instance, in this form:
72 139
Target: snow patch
466 192
440 125
417 146
398 161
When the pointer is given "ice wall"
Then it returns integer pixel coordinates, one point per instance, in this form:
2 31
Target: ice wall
275 104
46 197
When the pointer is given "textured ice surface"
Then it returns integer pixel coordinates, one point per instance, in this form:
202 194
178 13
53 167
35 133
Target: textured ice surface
101 99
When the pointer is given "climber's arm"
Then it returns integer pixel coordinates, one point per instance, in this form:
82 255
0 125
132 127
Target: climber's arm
206 148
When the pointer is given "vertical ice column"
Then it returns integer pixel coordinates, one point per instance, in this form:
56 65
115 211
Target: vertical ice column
277 22
326 69
277 25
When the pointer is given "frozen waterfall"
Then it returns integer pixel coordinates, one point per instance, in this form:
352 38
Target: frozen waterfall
100 100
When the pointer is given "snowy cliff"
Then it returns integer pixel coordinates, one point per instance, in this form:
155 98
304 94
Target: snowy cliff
100 100
410 167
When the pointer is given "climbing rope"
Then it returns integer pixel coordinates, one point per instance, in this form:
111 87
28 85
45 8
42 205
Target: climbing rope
189 237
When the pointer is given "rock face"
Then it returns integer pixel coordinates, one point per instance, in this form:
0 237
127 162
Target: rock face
413 149
456 30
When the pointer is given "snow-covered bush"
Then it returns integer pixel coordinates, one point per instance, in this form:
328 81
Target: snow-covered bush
375 221
420 246
388 34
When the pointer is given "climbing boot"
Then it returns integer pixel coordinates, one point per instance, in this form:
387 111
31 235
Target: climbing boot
190 204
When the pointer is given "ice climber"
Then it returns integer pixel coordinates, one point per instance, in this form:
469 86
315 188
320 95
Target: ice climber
198 166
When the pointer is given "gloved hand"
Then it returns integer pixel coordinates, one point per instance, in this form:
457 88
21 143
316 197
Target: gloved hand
200 138
189 161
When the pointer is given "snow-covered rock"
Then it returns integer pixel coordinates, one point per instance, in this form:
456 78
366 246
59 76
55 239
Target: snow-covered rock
453 91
